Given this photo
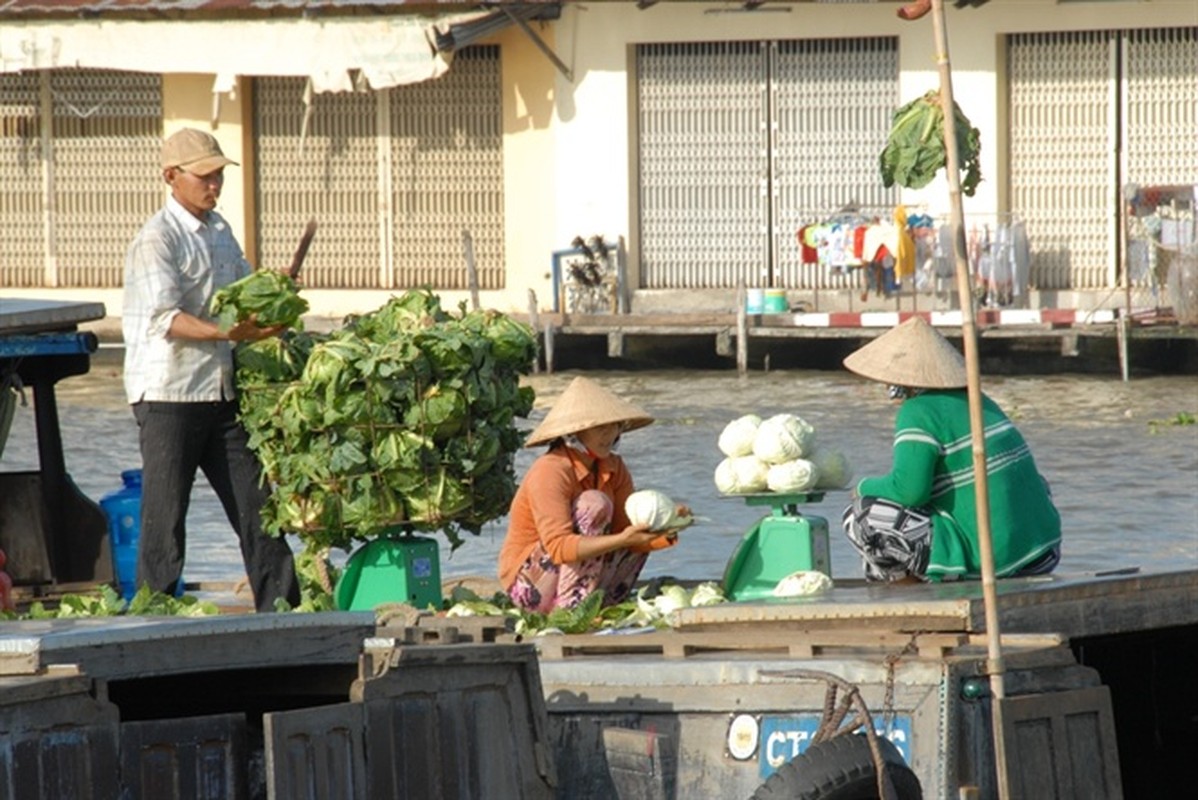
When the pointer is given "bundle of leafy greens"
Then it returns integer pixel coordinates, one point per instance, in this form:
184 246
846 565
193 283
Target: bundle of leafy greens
403 419
270 297
105 602
915 150
649 607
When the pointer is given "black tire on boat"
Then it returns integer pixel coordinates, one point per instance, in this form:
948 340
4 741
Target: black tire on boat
840 769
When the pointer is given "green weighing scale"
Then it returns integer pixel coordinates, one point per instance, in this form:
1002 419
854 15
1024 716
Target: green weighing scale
395 567
779 544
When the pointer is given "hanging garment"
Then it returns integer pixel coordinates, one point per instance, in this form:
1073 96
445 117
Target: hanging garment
904 252
943 254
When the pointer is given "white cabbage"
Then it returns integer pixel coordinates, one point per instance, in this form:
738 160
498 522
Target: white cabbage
650 507
803 582
707 593
737 437
672 597
795 476
834 469
783 437
741 475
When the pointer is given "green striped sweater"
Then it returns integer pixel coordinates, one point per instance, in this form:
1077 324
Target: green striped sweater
933 470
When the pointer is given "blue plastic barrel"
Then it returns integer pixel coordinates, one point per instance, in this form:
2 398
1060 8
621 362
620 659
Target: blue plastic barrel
123 508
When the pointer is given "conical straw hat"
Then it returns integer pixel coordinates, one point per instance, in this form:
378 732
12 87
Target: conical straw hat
911 354
585 404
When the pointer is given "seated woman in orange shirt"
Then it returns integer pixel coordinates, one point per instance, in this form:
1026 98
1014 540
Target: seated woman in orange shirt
546 562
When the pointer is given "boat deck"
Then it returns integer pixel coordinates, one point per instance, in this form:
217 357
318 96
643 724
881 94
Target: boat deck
1072 606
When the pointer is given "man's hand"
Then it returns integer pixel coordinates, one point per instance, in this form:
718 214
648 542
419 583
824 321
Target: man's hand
249 331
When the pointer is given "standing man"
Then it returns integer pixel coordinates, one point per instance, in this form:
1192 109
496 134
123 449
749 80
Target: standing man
179 376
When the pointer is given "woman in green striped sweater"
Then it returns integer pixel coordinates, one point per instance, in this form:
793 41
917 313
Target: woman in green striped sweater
919 522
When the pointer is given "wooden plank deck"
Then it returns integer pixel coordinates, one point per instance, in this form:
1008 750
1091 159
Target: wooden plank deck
140 647
1071 606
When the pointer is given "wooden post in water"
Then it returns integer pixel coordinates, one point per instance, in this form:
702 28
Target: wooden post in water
549 347
535 324
471 271
1121 332
622 302
977 427
742 328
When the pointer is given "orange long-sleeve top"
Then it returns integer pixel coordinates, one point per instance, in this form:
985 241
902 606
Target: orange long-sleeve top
541 508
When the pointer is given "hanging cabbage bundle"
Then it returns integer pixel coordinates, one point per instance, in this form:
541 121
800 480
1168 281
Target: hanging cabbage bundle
404 417
915 150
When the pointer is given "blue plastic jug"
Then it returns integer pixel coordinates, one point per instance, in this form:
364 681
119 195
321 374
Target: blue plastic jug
123 508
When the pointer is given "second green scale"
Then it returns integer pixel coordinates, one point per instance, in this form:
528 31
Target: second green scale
780 543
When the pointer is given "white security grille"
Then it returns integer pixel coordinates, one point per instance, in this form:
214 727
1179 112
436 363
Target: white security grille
741 144
1162 106
703 183
1067 131
69 220
107 169
22 229
328 172
393 178
447 174
1062 154
833 101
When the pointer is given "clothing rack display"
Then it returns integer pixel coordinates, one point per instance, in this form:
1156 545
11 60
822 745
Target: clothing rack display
874 243
998 253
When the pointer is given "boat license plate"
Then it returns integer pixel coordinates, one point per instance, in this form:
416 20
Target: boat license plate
784 737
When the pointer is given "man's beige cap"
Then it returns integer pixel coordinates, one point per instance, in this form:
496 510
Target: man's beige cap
195 151
586 404
911 354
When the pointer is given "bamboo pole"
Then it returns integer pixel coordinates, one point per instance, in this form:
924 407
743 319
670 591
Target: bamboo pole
977 427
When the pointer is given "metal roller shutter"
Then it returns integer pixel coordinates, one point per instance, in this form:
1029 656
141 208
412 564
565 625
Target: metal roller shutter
329 171
108 182
1062 155
393 178
703 186
22 226
79 173
447 174
1078 100
1161 68
834 100
741 144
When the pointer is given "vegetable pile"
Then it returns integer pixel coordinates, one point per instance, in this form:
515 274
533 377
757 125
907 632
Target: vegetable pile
915 150
778 454
403 418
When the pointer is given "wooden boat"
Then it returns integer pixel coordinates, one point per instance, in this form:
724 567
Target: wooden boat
1099 699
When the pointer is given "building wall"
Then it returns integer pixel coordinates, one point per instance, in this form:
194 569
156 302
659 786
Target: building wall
570 161
593 113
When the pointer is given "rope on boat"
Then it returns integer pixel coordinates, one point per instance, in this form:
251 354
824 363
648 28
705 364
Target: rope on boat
832 723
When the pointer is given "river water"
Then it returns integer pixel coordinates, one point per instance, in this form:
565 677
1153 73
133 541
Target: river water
1123 472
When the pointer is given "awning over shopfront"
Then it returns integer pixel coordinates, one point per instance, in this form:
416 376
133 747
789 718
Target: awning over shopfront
332 53
336 53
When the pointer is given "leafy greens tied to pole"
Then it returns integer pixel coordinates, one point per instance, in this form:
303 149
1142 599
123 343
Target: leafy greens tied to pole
915 149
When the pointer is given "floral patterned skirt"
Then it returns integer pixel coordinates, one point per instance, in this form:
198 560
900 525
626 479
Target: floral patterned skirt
542 586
